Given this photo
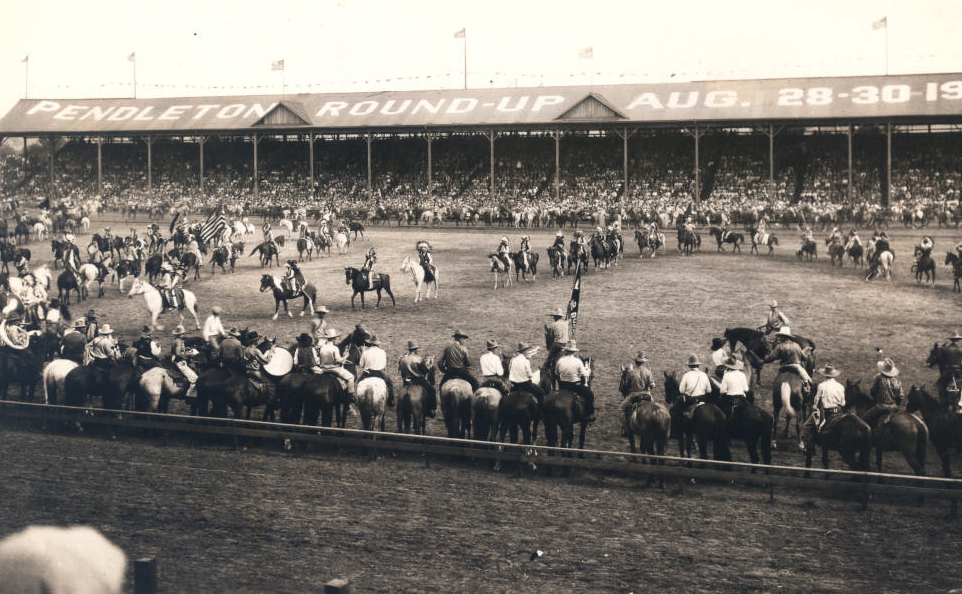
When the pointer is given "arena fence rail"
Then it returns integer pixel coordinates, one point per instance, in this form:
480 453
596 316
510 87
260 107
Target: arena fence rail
860 485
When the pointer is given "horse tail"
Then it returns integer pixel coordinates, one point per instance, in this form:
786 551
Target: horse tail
49 386
921 443
786 397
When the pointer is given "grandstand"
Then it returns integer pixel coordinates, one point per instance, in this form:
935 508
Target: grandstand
835 140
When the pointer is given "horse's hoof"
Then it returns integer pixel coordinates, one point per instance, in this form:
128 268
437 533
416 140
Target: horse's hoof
275 317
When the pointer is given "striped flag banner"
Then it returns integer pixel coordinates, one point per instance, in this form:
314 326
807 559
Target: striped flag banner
574 304
212 227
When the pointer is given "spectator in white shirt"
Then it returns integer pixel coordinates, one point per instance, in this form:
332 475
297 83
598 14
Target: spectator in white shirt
520 374
373 363
492 368
734 382
214 329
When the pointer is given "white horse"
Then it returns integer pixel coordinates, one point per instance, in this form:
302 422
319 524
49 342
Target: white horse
371 400
88 274
157 387
500 271
41 274
287 224
417 275
155 303
85 223
884 266
341 241
54 376
238 228
40 230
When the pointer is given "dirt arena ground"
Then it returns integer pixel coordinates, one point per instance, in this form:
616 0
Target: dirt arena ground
264 521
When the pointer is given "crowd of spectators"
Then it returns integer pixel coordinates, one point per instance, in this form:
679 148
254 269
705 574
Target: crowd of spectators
734 171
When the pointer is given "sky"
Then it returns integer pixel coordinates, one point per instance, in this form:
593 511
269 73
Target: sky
203 47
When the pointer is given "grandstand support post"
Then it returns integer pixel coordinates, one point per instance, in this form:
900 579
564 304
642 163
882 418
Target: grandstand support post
430 139
851 187
491 136
256 139
53 146
557 164
887 194
625 135
310 153
370 184
100 166
200 143
25 155
150 163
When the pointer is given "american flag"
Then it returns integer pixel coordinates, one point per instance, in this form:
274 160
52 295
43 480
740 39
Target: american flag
212 227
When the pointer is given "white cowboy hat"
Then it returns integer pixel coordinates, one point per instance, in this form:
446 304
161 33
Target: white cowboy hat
106 329
887 367
829 371
571 347
784 331
330 333
733 363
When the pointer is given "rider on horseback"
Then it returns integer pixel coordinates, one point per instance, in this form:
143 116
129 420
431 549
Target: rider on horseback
424 257
573 375
34 297
179 357
332 362
414 370
254 361
102 350
693 388
293 279
370 258
776 319
520 374
828 404
525 250
559 242
790 356
924 249
168 285
269 236
373 363
502 253
886 392
147 350
492 369
853 239
455 362
952 363
638 389
835 237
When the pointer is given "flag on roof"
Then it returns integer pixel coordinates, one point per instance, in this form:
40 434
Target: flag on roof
461 34
882 23
277 65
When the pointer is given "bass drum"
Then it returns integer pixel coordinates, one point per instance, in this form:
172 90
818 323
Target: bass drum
281 363
92 249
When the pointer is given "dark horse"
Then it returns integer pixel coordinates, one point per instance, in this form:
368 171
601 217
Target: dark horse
519 410
896 432
577 256
226 388
952 259
282 294
220 257
945 426
113 384
750 423
603 251
355 278
650 421
305 397
850 436
688 241
923 265
267 254
762 239
707 423
21 366
412 405
520 268
950 380
736 239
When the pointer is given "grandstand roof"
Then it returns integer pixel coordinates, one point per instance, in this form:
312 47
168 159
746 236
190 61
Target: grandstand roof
915 98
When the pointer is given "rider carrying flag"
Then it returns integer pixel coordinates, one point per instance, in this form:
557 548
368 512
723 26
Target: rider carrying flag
370 258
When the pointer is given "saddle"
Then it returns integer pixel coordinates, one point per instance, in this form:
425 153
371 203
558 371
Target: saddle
173 298
689 412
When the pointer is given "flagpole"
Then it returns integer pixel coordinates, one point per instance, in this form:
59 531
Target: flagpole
26 77
886 46
135 75
465 59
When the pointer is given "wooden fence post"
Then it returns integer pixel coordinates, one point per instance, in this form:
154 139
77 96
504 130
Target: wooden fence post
145 576
337 586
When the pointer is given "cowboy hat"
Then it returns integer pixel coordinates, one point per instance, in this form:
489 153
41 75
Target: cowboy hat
522 347
372 340
559 234
179 330
956 337
571 347
145 331
773 304
640 358
717 343
492 344
330 333
733 363
558 313
412 346
321 310
693 360
784 331
304 340
459 334
106 329
887 367
216 310
829 371
234 331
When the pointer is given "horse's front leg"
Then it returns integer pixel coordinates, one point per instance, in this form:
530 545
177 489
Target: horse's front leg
277 306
